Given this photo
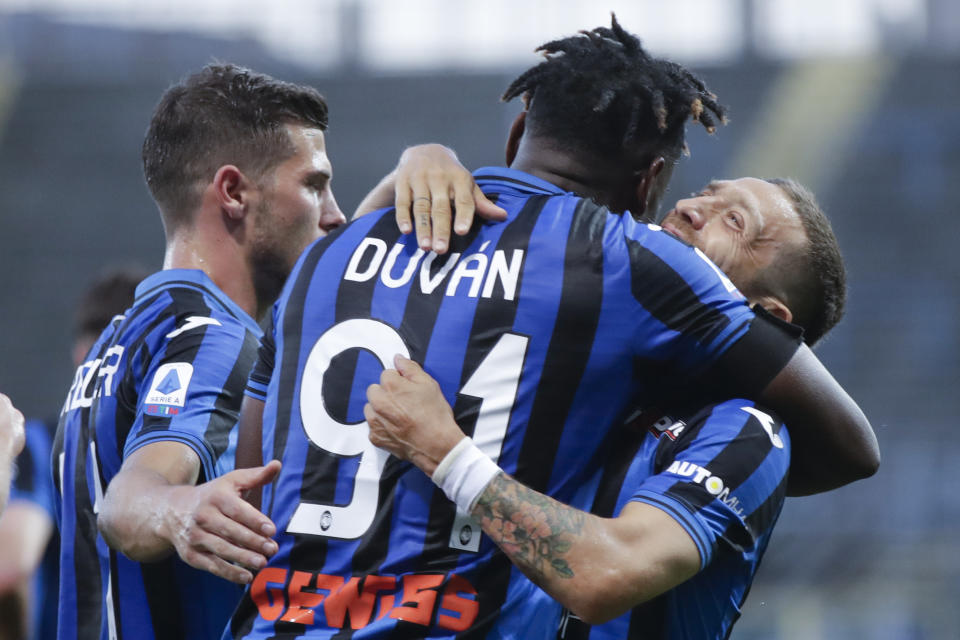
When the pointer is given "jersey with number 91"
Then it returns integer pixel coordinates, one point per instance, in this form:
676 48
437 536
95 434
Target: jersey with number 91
541 331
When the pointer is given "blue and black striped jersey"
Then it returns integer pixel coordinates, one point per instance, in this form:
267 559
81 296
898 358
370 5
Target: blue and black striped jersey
173 368
541 331
722 474
33 485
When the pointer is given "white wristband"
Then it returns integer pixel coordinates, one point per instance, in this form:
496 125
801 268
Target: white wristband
464 473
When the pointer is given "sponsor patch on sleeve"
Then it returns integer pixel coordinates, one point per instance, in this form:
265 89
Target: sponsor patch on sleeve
168 391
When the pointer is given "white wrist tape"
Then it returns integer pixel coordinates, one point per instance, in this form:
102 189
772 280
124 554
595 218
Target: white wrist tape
464 473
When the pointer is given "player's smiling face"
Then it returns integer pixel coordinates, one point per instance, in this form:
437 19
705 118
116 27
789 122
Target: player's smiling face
297 204
739 224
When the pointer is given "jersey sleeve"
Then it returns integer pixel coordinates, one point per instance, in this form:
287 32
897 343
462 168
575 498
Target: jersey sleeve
724 481
33 481
694 321
263 368
192 390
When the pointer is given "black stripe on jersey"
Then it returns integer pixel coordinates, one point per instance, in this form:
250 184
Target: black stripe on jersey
292 321
183 303
306 551
768 335
86 565
578 313
181 285
354 300
163 596
669 298
766 514
649 620
127 391
734 464
621 453
115 599
226 408
493 317
571 343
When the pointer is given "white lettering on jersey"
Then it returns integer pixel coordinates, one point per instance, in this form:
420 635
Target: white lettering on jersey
713 484
192 323
83 391
353 269
766 421
168 391
481 270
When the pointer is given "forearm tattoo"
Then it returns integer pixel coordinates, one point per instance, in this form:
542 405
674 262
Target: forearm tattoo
533 530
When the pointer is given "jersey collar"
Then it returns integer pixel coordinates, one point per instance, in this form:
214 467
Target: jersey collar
194 279
513 180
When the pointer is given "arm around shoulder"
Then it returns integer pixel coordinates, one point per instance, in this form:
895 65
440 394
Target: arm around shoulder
833 442
599 568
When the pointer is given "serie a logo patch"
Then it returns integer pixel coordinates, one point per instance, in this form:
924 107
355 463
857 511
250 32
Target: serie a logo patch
168 391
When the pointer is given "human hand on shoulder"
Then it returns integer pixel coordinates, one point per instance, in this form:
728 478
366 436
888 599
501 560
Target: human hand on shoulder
409 417
429 178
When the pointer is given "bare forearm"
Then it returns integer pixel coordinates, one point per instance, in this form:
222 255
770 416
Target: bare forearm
583 561
833 443
134 513
536 532
379 197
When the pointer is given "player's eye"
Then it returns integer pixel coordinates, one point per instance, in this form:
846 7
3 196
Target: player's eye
735 219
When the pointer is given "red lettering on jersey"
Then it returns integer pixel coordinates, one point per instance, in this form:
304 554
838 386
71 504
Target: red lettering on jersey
302 603
386 604
352 602
454 600
419 596
269 600
358 602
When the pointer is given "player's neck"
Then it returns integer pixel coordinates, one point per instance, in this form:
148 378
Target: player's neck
220 258
563 170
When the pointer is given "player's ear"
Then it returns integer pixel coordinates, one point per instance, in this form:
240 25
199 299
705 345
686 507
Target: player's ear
649 187
232 190
775 306
516 132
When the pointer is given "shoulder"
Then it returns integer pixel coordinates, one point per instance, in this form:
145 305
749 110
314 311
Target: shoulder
739 419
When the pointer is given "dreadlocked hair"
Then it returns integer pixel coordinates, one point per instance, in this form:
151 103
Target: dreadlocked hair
600 90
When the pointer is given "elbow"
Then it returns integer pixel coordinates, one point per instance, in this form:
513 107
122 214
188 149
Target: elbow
869 463
593 614
119 535
602 602
864 461
110 526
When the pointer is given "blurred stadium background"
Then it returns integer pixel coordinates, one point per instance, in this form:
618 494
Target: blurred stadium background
859 99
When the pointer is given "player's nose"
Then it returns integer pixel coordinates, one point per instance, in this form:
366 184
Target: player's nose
691 212
331 216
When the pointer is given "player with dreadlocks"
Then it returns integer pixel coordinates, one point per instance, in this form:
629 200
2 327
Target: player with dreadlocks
543 331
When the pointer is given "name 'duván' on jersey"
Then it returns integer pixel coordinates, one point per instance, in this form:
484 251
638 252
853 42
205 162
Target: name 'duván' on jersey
478 272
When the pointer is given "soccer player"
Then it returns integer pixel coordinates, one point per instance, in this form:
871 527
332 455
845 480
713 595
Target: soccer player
237 165
696 493
546 327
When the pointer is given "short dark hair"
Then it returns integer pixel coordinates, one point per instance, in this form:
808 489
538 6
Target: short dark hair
223 114
812 277
600 91
109 295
